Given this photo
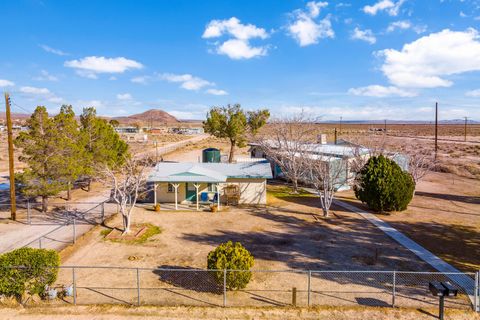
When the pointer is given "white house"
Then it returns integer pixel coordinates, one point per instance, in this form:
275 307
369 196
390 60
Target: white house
201 183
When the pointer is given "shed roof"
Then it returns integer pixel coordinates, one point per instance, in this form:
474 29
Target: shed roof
208 172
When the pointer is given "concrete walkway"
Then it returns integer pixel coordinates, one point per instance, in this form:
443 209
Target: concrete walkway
463 280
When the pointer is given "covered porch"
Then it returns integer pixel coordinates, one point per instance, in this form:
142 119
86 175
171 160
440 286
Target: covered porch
195 185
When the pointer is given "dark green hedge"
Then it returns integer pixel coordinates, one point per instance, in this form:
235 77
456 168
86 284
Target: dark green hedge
383 185
231 257
35 268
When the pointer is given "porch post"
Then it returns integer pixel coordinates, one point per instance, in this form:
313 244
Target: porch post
197 186
218 196
155 193
175 186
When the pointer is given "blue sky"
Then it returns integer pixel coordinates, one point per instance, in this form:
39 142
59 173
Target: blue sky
374 59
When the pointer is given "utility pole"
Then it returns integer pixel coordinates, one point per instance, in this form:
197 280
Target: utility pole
13 206
465 129
436 129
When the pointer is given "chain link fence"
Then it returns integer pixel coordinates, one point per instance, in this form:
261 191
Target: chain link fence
198 287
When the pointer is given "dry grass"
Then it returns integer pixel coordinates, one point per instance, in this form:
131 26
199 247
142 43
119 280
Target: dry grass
233 313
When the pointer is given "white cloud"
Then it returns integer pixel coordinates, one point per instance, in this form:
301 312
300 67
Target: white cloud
52 50
391 7
473 93
91 66
140 79
238 46
45 76
381 91
91 103
403 25
240 49
34 90
124 96
305 29
187 81
425 62
364 35
42 93
6 83
217 92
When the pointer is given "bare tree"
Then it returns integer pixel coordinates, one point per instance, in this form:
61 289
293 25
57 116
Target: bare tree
127 183
420 162
286 142
326 176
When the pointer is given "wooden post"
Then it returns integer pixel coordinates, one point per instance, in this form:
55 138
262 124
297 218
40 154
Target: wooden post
294 296
436 129
13 204
335 135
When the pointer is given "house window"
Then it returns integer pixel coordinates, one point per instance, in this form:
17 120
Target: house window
170 188
211 187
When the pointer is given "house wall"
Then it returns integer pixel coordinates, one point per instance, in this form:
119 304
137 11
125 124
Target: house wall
252 191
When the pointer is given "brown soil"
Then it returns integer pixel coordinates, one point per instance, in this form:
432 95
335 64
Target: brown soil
444 217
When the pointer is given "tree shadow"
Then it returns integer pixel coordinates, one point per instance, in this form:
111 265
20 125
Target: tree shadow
189 278
451 197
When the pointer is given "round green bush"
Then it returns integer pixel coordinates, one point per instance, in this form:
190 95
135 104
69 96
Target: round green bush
231 257
383 185
27 270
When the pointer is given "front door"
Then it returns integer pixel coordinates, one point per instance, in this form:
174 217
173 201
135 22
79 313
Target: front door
191 192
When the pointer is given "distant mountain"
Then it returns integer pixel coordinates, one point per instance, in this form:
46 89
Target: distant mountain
152 116
15 116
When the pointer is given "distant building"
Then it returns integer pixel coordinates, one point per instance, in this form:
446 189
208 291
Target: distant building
186 131
125 130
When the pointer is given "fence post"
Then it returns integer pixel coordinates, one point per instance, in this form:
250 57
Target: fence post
476 292
74 231
74 284
138 287
394 287
29 220
103 212
309 287
224 287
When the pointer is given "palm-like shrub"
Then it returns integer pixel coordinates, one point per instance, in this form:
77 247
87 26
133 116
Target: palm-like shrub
233 257
383 185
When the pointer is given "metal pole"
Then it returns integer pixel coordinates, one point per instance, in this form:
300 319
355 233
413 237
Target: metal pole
74 231
74 283
394 288
476 292
441 307
224 288
103 212
309 287
465 129
29 220
138 287
11 170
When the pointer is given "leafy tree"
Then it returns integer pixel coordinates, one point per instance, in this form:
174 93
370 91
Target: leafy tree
232 123
257 119
383 185
37 269
69 146
114 123
103 146
235 257
40 150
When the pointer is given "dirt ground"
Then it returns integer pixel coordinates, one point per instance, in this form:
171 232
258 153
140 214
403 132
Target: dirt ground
287 237
443 217
184 313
